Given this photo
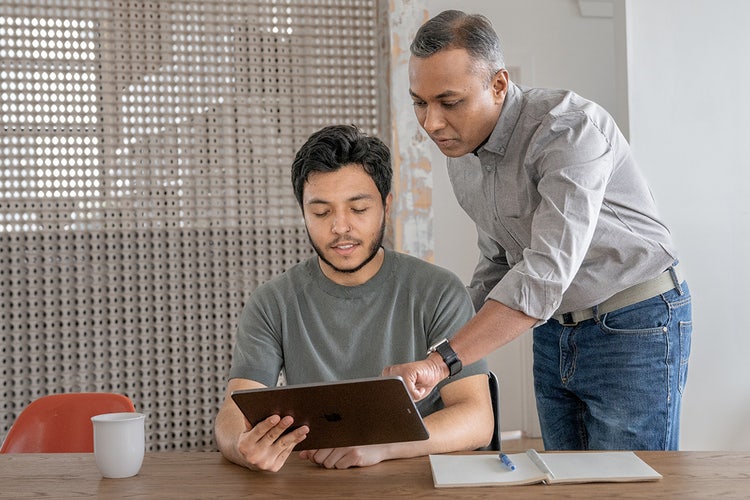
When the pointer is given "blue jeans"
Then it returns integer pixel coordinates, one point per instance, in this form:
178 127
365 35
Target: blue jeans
615 382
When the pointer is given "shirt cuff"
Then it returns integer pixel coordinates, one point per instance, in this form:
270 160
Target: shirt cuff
534 296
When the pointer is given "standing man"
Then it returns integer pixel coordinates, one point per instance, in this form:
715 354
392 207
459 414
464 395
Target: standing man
347 313
571 246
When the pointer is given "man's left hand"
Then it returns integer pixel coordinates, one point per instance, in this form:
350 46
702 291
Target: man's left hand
343 458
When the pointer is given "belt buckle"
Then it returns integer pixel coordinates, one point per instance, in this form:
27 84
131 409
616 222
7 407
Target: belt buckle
568 319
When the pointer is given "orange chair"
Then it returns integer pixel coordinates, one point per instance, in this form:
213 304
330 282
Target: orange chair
61 423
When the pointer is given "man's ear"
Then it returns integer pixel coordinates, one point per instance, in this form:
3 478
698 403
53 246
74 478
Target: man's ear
388 200
500 85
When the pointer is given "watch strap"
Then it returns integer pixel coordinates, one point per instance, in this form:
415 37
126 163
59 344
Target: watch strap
449 356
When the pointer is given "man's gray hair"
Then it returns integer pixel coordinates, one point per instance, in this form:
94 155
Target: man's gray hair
454 29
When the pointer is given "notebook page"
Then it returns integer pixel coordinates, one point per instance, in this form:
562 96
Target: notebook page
483 470
609 466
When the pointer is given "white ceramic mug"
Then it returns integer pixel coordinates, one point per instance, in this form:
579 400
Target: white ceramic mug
119 443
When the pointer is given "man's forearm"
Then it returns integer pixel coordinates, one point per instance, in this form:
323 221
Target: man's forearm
493 326
466 422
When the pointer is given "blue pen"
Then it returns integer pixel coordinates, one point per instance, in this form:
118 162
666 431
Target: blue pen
507 462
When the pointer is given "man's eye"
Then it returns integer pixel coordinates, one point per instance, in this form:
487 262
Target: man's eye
419 104
359 210
451 104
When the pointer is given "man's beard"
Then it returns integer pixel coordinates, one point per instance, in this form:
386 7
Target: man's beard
374 248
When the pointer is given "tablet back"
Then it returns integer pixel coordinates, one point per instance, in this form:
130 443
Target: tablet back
345 413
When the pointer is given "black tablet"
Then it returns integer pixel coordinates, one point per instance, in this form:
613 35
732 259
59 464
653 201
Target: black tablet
344 413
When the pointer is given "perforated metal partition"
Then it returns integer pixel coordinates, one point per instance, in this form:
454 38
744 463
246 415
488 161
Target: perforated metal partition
144 185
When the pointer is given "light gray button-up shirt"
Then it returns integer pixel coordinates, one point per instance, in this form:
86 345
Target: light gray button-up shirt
564 216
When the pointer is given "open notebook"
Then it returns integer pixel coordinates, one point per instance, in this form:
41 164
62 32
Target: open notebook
533 467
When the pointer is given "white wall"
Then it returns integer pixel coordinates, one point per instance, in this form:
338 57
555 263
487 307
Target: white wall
689 74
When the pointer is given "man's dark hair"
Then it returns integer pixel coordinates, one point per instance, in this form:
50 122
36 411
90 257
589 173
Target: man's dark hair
454 29
335 146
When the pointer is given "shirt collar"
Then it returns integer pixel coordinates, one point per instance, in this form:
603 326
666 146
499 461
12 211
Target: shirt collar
498 141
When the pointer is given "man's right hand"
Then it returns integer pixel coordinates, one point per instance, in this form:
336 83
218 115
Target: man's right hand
265 446
420 377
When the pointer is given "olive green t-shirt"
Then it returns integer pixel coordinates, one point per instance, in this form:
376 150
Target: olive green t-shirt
317 330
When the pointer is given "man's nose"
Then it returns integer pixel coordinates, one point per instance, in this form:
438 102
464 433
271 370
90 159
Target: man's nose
341 225
433 119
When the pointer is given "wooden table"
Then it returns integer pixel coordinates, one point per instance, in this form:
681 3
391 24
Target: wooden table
208 475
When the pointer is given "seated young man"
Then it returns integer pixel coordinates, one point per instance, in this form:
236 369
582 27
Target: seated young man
347 313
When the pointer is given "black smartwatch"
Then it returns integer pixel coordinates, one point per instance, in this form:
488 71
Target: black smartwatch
449 356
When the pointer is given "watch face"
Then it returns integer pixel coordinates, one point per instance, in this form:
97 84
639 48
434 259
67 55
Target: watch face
437 345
